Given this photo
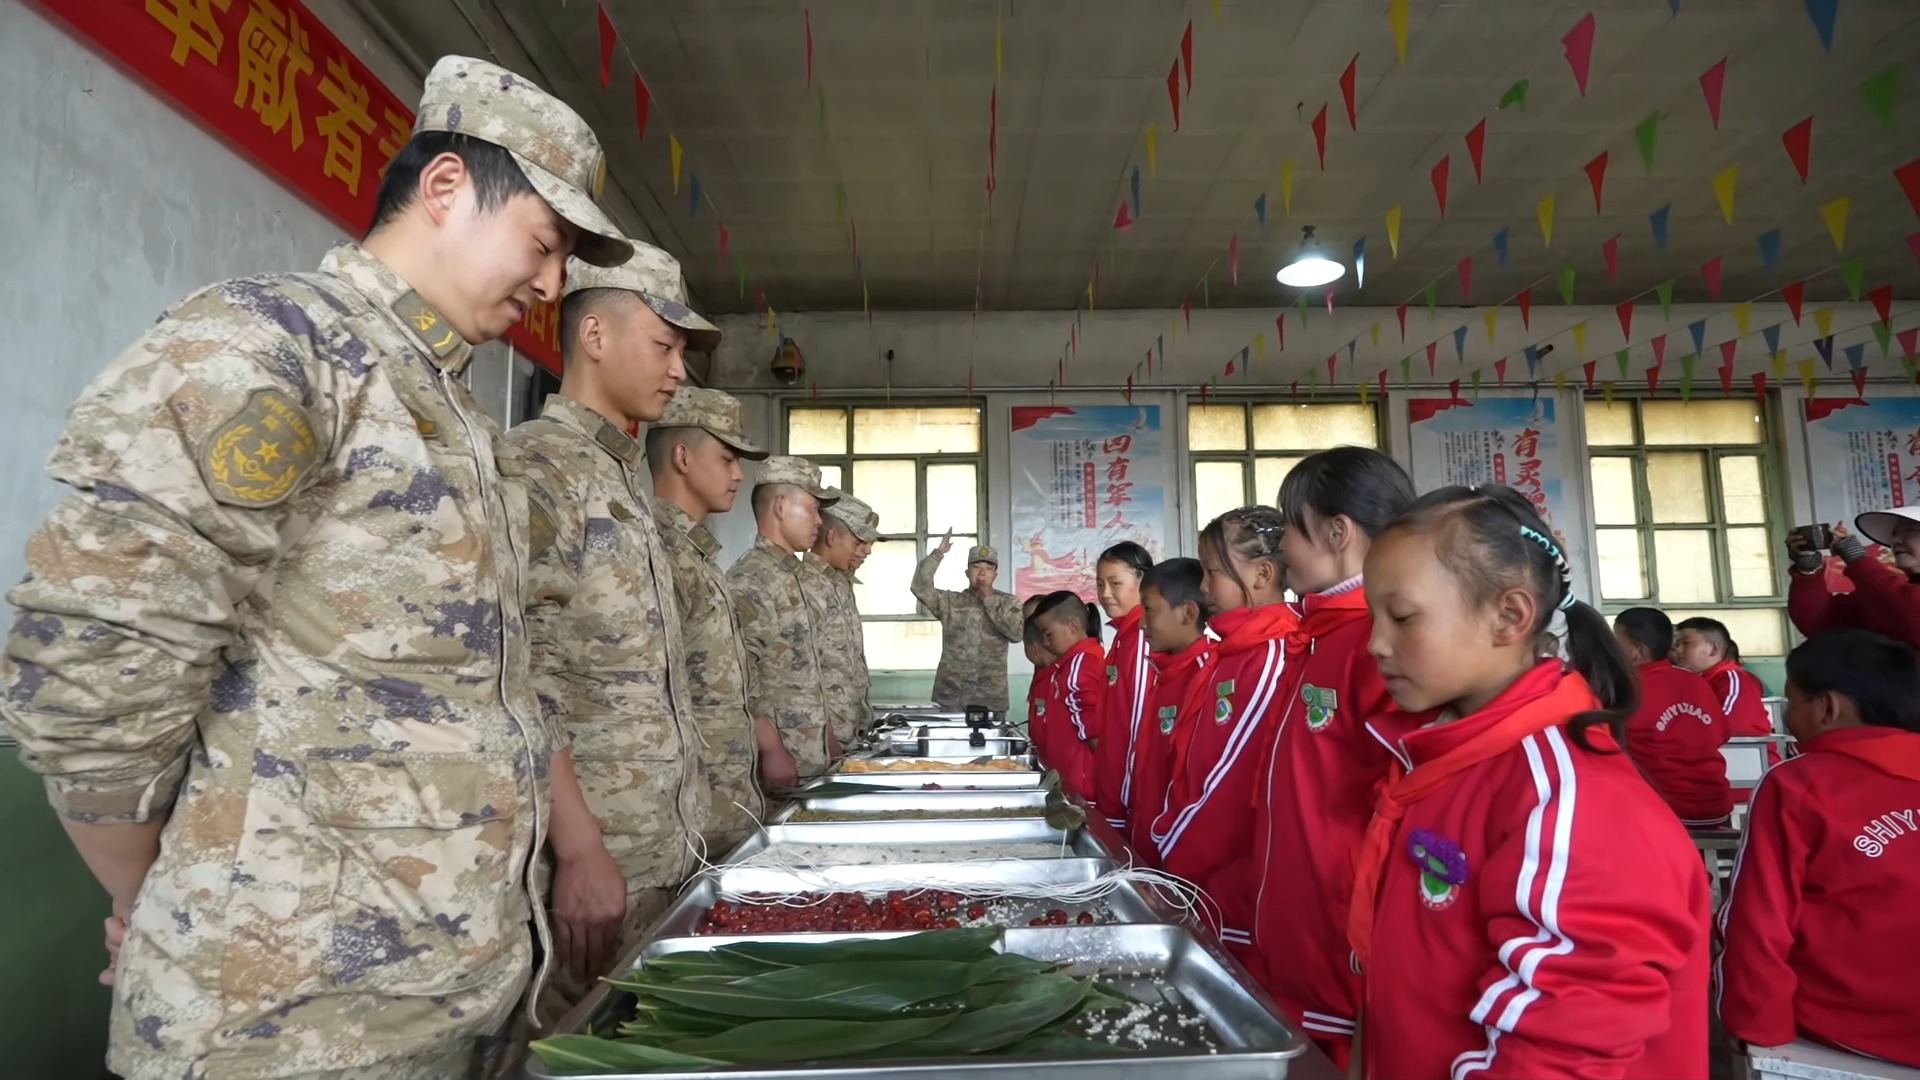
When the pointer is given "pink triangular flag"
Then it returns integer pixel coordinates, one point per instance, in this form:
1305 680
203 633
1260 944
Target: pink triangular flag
1597 175
606 46
1173 92
1610 250
1332 359
1794 295
1712 82
1120 219
1798 140
1660 350
1882 299
1726 369
1440 182
1525 302
1477 146
1624 309
1711 271
1579 48
1320 136
1346 90
1465 269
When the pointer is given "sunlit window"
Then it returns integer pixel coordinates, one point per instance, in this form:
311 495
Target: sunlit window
1241 451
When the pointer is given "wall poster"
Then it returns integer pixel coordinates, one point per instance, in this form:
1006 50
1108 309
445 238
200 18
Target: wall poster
1083 479
1861 455
1495 440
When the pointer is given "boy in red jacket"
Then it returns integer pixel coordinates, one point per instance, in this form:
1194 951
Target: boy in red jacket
1042 661
1071 631
1820 928
1704 647
1676 733
1175 618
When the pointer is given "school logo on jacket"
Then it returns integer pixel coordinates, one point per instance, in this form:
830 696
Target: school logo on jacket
1320 702
1222 705
1113 675
1167 715
1442 866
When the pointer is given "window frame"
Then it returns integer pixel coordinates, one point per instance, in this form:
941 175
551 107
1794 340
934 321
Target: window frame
1249 457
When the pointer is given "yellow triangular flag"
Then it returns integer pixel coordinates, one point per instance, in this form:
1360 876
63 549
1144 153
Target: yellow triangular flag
1545 213
1834 213
1823 321
1397 18
866 302
1606 391
1153 153
673 152
1216 8
1393 229
1089 294
1490 317
1374 333
1363 393
1806 376
996 45
1286 185
1580 338
769 318
1779 365
1560 381
1173 327
1723 189
1260 344
1741 313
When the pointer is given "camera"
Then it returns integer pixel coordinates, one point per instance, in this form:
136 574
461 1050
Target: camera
1818 537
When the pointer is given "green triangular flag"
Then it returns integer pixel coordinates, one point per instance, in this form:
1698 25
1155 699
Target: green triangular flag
1433 297
1644 135
1665 292
1515 95
1476 382
1883 334
821 93
1912 368
1620 358
1686 376
1301 306
1879 91
1313 383
1854 273
1566 284
743 277
1406 369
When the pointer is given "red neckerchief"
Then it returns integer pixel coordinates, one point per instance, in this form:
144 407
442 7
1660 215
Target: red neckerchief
1203 649
1541 698
1249 628
1891 750
1126 622
1323 615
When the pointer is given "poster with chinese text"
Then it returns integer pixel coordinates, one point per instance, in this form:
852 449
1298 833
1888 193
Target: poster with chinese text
1861 455
1493 440
1084 479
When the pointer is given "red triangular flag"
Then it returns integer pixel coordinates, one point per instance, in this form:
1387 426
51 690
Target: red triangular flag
1653 379
642 98
1186 309
1500 370
1280 330
760 297
1173 92
1332 358
1610 250
1401 313
1659 350
1381 378
1579 47
1293 389
1597 175
1453 389
1440 182
1799 143
1712 81
1120 219
806 21
1727 350
1233 257
1186 53
1477 146
1346 90
1711 271
1624 309
1726 378
1909 177
1860 382
1230 369
1760 385
1129 386
1465 269
1525 301
1432 347
1794 294
1203 393
720 235
1588 368
606 45
1882 298
1320 136
853 240
1913 245
1909 340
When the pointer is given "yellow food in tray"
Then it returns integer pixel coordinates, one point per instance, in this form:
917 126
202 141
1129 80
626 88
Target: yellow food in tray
859 765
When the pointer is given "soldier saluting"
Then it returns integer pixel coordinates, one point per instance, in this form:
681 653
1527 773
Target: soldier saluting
268 653
976 626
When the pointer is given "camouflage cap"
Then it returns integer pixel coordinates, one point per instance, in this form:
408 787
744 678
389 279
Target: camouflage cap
855 515
799 472
718 414
983 553
654 276
552 145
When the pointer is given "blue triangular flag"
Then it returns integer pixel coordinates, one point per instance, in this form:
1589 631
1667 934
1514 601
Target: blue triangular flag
1675 5
1460 344
1698 328
1770 248
1350 346
1360 263
1772 336
1658 220
1822 13
1246 368
1824 346
1160 348
1533 360
1856 357
1500 246
1136 198
693 198
1259 204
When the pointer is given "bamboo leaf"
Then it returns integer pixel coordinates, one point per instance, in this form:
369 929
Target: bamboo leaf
810 1040
969 944
1026 1009
575 1055
730 1001
866 984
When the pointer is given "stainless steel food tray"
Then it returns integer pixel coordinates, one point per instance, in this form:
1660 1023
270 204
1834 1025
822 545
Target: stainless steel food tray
878 802
943 763
916 832
991 746
979 778
1148 960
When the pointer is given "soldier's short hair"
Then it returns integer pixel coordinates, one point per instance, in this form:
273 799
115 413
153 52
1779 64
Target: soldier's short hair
495 175
833 526
764 494
574 309
662 441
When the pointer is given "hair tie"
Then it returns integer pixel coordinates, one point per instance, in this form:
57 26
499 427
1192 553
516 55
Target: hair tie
1559 558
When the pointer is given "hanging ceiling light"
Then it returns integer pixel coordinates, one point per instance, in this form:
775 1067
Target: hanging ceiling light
1310 265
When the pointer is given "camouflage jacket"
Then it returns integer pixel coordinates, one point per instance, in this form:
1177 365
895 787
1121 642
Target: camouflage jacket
974 634
784 678
607 658
716 669
281 610
843 647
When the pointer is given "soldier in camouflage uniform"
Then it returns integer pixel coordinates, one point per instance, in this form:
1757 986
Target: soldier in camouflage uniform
848 529
976 626
269 653
694 452
785 682
608 663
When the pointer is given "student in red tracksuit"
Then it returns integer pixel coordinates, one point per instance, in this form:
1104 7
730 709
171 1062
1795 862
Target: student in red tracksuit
1206 832
1128 674
1705 647
1316 795
1042 660
1174 616
1676 733
1820 930
1525 905
1072 706
1885 598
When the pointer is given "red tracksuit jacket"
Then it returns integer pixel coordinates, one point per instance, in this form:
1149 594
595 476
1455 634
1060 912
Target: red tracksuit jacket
1314 802
1883 601
1072 709
1206 832
1675 738
1128 685
1539 914
1150 767
1037 692
1821 927
1742 702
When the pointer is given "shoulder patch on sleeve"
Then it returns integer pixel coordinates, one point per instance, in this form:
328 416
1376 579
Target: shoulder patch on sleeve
542 531
259 455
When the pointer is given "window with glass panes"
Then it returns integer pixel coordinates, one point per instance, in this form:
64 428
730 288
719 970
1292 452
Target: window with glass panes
1242 450
1682 513
921 469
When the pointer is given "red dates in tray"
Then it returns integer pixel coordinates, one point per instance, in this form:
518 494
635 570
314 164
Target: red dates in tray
840 912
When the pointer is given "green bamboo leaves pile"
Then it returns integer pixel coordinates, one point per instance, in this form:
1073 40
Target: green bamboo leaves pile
939 994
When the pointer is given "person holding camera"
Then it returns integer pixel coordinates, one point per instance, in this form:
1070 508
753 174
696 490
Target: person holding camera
1885 598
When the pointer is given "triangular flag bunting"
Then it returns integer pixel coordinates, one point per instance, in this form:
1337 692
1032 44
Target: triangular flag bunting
1477 146
1533 360
1566 285
1859 382
1882 298
1381 380
1770 248
1909 340
1432 347
1653 378
1794 294
1393 230
1346 90
1579 331
1854 273
1879 91
675 155
1741 313
1500 246
1587 370
1621 361
1823 321
1660 348
1524 302
1698 329
1259 206
1374 333
1286 185
1153 156
1664 292
1491 317
1760 385
1499 372
1834 213
1280 331
1464 268
1723 182
1798 140
1439 177
1624 309
1406 371
642 100
1644 135
1400 313
1771 335
1186 54
1856 357
1657 222
1544 211
1822 13
1397 20
1578 43
1515 95
606 46
1610 251
1173 92
1712 82
1686 376
1121 221
1710 270
1460 344
1320 136
1597 176
1824 346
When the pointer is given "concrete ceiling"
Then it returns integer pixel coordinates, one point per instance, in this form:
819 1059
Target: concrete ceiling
906 85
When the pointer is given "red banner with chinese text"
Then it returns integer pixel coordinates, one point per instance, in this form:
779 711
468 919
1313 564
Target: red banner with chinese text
270 80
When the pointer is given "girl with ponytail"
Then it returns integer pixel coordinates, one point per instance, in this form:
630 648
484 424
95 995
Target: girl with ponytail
1524 904
1128 674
